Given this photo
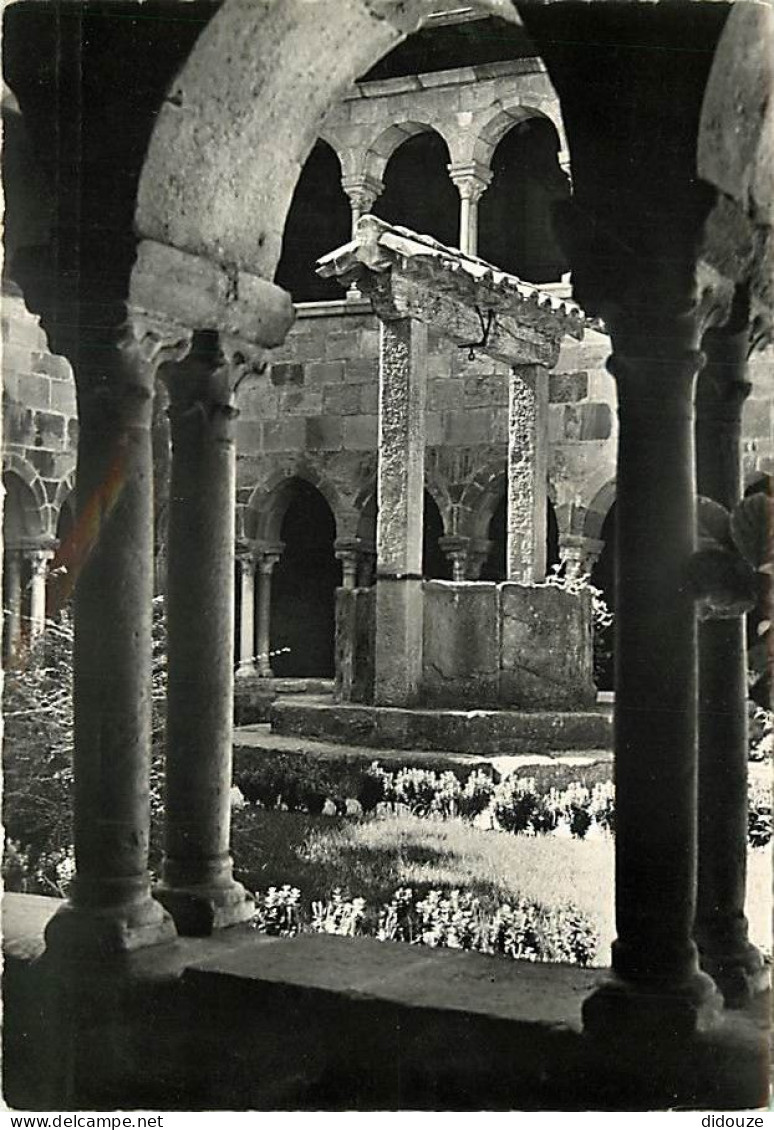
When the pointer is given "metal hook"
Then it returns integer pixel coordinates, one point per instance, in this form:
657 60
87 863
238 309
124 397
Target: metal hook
486 329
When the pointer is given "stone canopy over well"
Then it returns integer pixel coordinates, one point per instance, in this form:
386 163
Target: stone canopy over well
424 654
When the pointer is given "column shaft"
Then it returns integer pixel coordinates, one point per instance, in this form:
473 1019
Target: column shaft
266 563
39 563
401 466
527 473
198 887
110 907
467 208
13 588
659 986
246 615
721 925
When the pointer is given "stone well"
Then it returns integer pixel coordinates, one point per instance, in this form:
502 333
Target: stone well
484 644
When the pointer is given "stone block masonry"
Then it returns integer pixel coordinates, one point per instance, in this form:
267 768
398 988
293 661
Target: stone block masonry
484 645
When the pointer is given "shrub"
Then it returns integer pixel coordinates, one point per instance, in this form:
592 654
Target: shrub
520 807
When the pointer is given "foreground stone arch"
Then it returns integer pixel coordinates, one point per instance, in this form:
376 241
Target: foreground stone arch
260 115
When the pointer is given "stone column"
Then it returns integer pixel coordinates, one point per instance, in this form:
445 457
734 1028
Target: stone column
348 553
246 613
267 559
579 554
721 925
362 192
401 484
657 990
38 559
197 885
13 599
527 473
110 908
471 181
455 547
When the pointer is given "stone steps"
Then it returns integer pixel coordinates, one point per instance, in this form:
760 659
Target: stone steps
260 741
485 733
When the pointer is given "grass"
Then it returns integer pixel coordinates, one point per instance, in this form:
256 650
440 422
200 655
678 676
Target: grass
371 857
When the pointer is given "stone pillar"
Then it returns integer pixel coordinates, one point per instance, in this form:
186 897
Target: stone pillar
471 181
527 473
401 484
267 559
455 547
578 554
246 613
110 908
362 192
348 553
721 925
13 598
197 885
38 559
657 989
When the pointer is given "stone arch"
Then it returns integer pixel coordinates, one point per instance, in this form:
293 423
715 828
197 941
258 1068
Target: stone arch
227 201
268 503
65 493
503 118
516 228
598 508
481 496
381 149
20 477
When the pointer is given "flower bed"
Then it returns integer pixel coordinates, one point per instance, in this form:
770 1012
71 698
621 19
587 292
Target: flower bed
453 919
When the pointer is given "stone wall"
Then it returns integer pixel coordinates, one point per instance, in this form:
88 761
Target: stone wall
316 409
758 419
40 427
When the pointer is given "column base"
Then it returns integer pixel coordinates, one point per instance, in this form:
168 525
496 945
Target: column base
741 975
94 932
199 910
641 1014
246 671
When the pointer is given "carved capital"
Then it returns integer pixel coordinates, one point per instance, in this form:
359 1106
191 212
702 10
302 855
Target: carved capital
39 559
267 555
155 341
211 372
471 180
362 191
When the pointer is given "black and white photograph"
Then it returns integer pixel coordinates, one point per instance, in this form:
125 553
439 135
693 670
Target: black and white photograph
388 541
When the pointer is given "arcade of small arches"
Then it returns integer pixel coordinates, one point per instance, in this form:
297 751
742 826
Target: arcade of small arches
494 199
